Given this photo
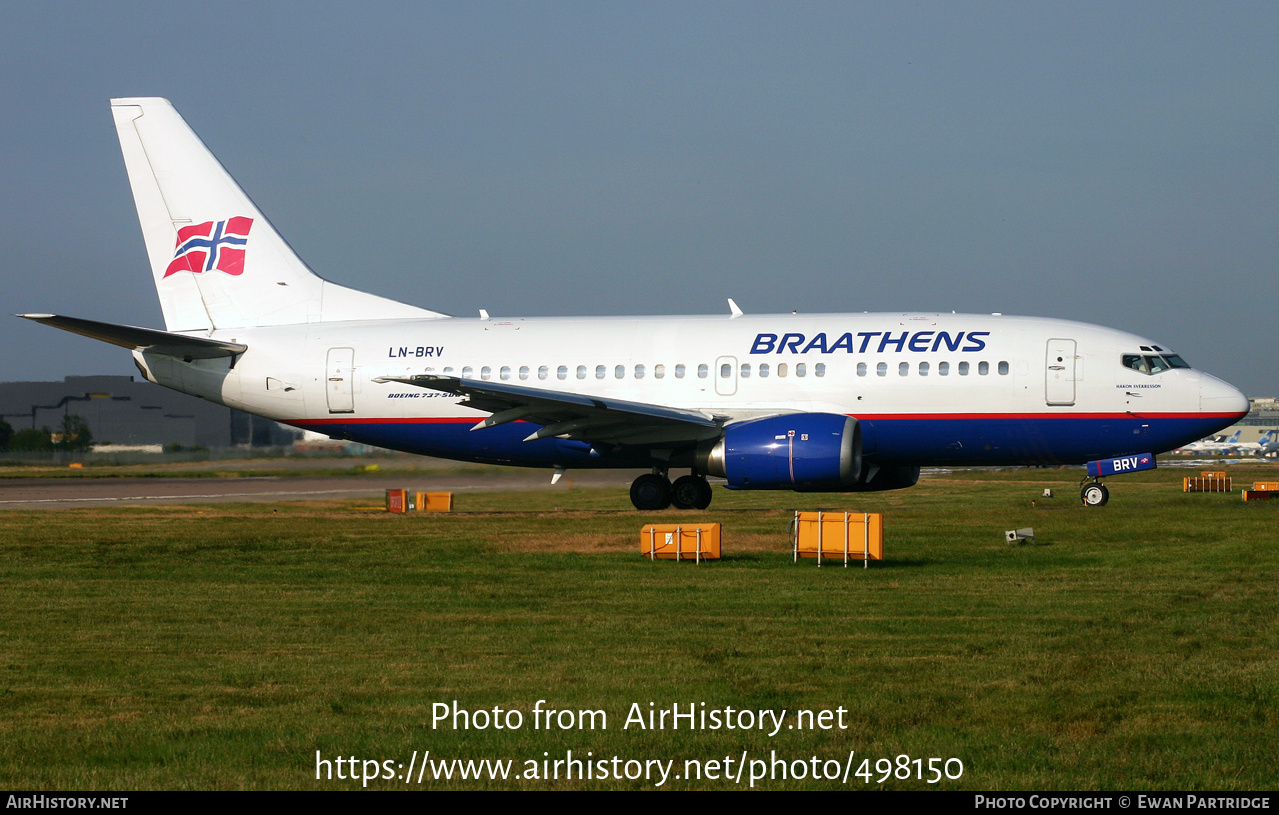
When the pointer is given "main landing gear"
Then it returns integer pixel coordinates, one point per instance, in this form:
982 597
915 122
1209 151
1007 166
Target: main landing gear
654 490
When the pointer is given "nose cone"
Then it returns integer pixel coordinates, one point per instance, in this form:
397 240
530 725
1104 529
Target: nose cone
1217 397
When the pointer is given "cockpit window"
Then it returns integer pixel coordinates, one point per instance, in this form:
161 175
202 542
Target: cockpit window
1151 364
1136 362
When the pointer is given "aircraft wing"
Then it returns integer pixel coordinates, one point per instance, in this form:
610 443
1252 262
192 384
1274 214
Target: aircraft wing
146 339
572 415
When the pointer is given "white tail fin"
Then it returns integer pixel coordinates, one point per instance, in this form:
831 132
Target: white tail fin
217 262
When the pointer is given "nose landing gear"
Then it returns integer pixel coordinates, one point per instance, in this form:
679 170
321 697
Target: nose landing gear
1094 494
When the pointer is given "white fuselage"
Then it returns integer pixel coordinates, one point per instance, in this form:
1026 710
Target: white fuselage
933 388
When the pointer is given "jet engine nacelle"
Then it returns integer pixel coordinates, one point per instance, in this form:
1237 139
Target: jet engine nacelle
875 479
796 451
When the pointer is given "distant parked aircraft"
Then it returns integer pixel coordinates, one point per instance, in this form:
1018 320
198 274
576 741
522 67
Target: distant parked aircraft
1213 445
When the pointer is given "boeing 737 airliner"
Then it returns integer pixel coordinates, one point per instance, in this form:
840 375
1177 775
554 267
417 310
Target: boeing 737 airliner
822 402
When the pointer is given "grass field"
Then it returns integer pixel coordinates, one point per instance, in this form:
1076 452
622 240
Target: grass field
221 646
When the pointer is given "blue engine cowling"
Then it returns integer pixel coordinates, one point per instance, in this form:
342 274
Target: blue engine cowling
875 478
796 451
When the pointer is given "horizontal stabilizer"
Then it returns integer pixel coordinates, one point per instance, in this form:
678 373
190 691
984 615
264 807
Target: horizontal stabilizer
145 339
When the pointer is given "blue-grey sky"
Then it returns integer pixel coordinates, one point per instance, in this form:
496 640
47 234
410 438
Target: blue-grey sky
1116 163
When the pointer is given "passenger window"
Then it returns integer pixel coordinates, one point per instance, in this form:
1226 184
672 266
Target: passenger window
619 371
781 369
819 369
523 372
468 372
581 371
506 372
562 372
801 369
725 371
746 370
659 371
703 371
679 371
882 369
923 369
983 368
639 371
1003 369
943 368
903 369
486 372
963 369
861 369
600 372
763 370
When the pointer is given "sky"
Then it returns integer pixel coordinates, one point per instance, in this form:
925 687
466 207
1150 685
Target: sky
1115 163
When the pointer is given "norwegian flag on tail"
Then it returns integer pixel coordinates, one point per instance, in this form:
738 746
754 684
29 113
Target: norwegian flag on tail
211 245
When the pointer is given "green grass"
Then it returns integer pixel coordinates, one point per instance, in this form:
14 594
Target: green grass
221 646
403 465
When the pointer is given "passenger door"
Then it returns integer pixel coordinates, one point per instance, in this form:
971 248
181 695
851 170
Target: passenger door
1060 364
339 380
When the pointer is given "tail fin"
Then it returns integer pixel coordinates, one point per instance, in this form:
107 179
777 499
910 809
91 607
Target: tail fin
217 262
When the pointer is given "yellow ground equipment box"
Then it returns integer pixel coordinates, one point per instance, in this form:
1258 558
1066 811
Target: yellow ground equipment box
397 500
433 501
846 536
1207 482
1266 486
1258 493
695 542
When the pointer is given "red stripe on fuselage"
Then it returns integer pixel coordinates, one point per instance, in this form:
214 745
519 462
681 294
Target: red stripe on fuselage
934 416
861 416
354 420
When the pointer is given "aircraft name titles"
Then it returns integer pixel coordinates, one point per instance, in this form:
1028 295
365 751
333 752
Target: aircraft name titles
918 342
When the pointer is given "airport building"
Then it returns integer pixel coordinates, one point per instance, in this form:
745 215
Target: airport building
122 410
1262 411
1263 415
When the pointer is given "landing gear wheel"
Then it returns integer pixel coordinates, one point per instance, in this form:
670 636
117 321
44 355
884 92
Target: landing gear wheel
651 491
691 492
1095 495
